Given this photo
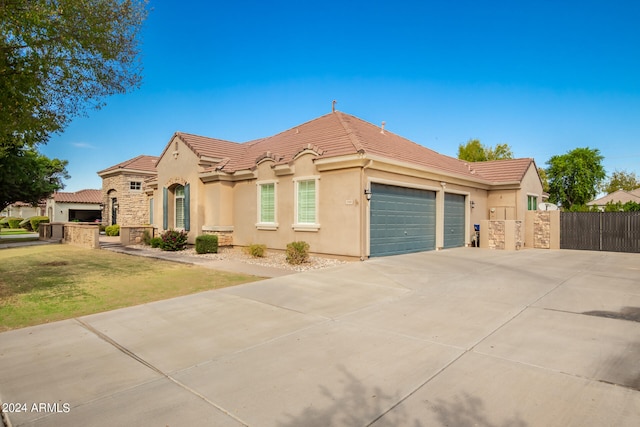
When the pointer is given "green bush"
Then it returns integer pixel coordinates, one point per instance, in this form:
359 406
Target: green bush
35 221
112 230
256 251
207 244
155 242
297 252
146 237
14 222
3 222
173 240
26 224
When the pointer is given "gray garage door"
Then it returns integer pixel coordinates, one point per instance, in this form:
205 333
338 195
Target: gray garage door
403 220
454 220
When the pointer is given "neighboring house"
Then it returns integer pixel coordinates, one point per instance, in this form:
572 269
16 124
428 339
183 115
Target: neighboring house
83 206
345 186
23 210
123 191
615 197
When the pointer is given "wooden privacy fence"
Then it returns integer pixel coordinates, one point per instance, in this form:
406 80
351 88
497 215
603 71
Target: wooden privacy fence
600 231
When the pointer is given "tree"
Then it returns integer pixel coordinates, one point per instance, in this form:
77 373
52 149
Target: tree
574 178
542 173
474 151
59 57
28 176
621 180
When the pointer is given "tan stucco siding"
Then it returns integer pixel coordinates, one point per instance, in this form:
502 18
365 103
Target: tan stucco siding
338 206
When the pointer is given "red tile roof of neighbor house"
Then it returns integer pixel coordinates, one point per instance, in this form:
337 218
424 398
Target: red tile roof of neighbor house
140 163
82 196
336 134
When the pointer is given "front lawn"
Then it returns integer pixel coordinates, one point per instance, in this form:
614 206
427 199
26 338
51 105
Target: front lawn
14 231
40 284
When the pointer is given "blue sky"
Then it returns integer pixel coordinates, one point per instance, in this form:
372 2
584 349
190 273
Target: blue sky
543 76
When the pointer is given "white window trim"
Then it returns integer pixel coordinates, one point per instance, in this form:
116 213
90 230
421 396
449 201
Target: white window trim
537 196
267 225
305 226
175 209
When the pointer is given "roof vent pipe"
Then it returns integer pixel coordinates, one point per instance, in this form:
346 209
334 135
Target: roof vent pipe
333 106
382 127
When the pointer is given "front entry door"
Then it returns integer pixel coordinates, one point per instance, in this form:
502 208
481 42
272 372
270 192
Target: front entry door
114 211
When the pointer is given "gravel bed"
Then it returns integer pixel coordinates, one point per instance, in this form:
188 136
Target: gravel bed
271 258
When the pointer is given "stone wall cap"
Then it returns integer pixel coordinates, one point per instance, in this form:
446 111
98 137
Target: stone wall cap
217 228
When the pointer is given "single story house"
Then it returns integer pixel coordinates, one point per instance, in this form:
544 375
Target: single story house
344 185
83 206
23 210
615 197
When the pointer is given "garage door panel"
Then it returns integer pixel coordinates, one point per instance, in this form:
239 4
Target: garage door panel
402 220
454 220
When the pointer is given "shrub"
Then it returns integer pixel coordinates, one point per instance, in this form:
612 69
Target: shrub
26 224
155 242
173 240
14 222
297 252
112 230
256 251
146 237
207 244
3 222
35 221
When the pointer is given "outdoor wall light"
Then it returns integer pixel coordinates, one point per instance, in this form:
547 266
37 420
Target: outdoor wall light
473 204
367 193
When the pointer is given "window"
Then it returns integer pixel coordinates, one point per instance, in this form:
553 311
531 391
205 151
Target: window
151 210
179 193
135 185
532 203
306 214
267 203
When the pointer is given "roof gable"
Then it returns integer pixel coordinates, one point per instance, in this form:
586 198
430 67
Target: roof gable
142 163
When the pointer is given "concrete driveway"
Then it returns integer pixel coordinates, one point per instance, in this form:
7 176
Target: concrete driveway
463 337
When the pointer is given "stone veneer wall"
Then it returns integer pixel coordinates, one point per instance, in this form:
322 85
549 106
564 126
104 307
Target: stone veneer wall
543 227
502 234
133 235
87 236
225 234
542 230
133 206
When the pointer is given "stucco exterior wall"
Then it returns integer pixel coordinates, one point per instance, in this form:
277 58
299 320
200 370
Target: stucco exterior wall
59 212
338 199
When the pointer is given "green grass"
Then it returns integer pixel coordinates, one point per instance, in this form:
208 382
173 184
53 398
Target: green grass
40 284
14 231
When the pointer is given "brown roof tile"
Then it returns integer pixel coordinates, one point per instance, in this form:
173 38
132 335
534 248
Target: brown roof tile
141 163
337 134
509 170
82 196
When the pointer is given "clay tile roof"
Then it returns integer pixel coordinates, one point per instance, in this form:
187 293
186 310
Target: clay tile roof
510 170
82 196
140 163
211 147
337 134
